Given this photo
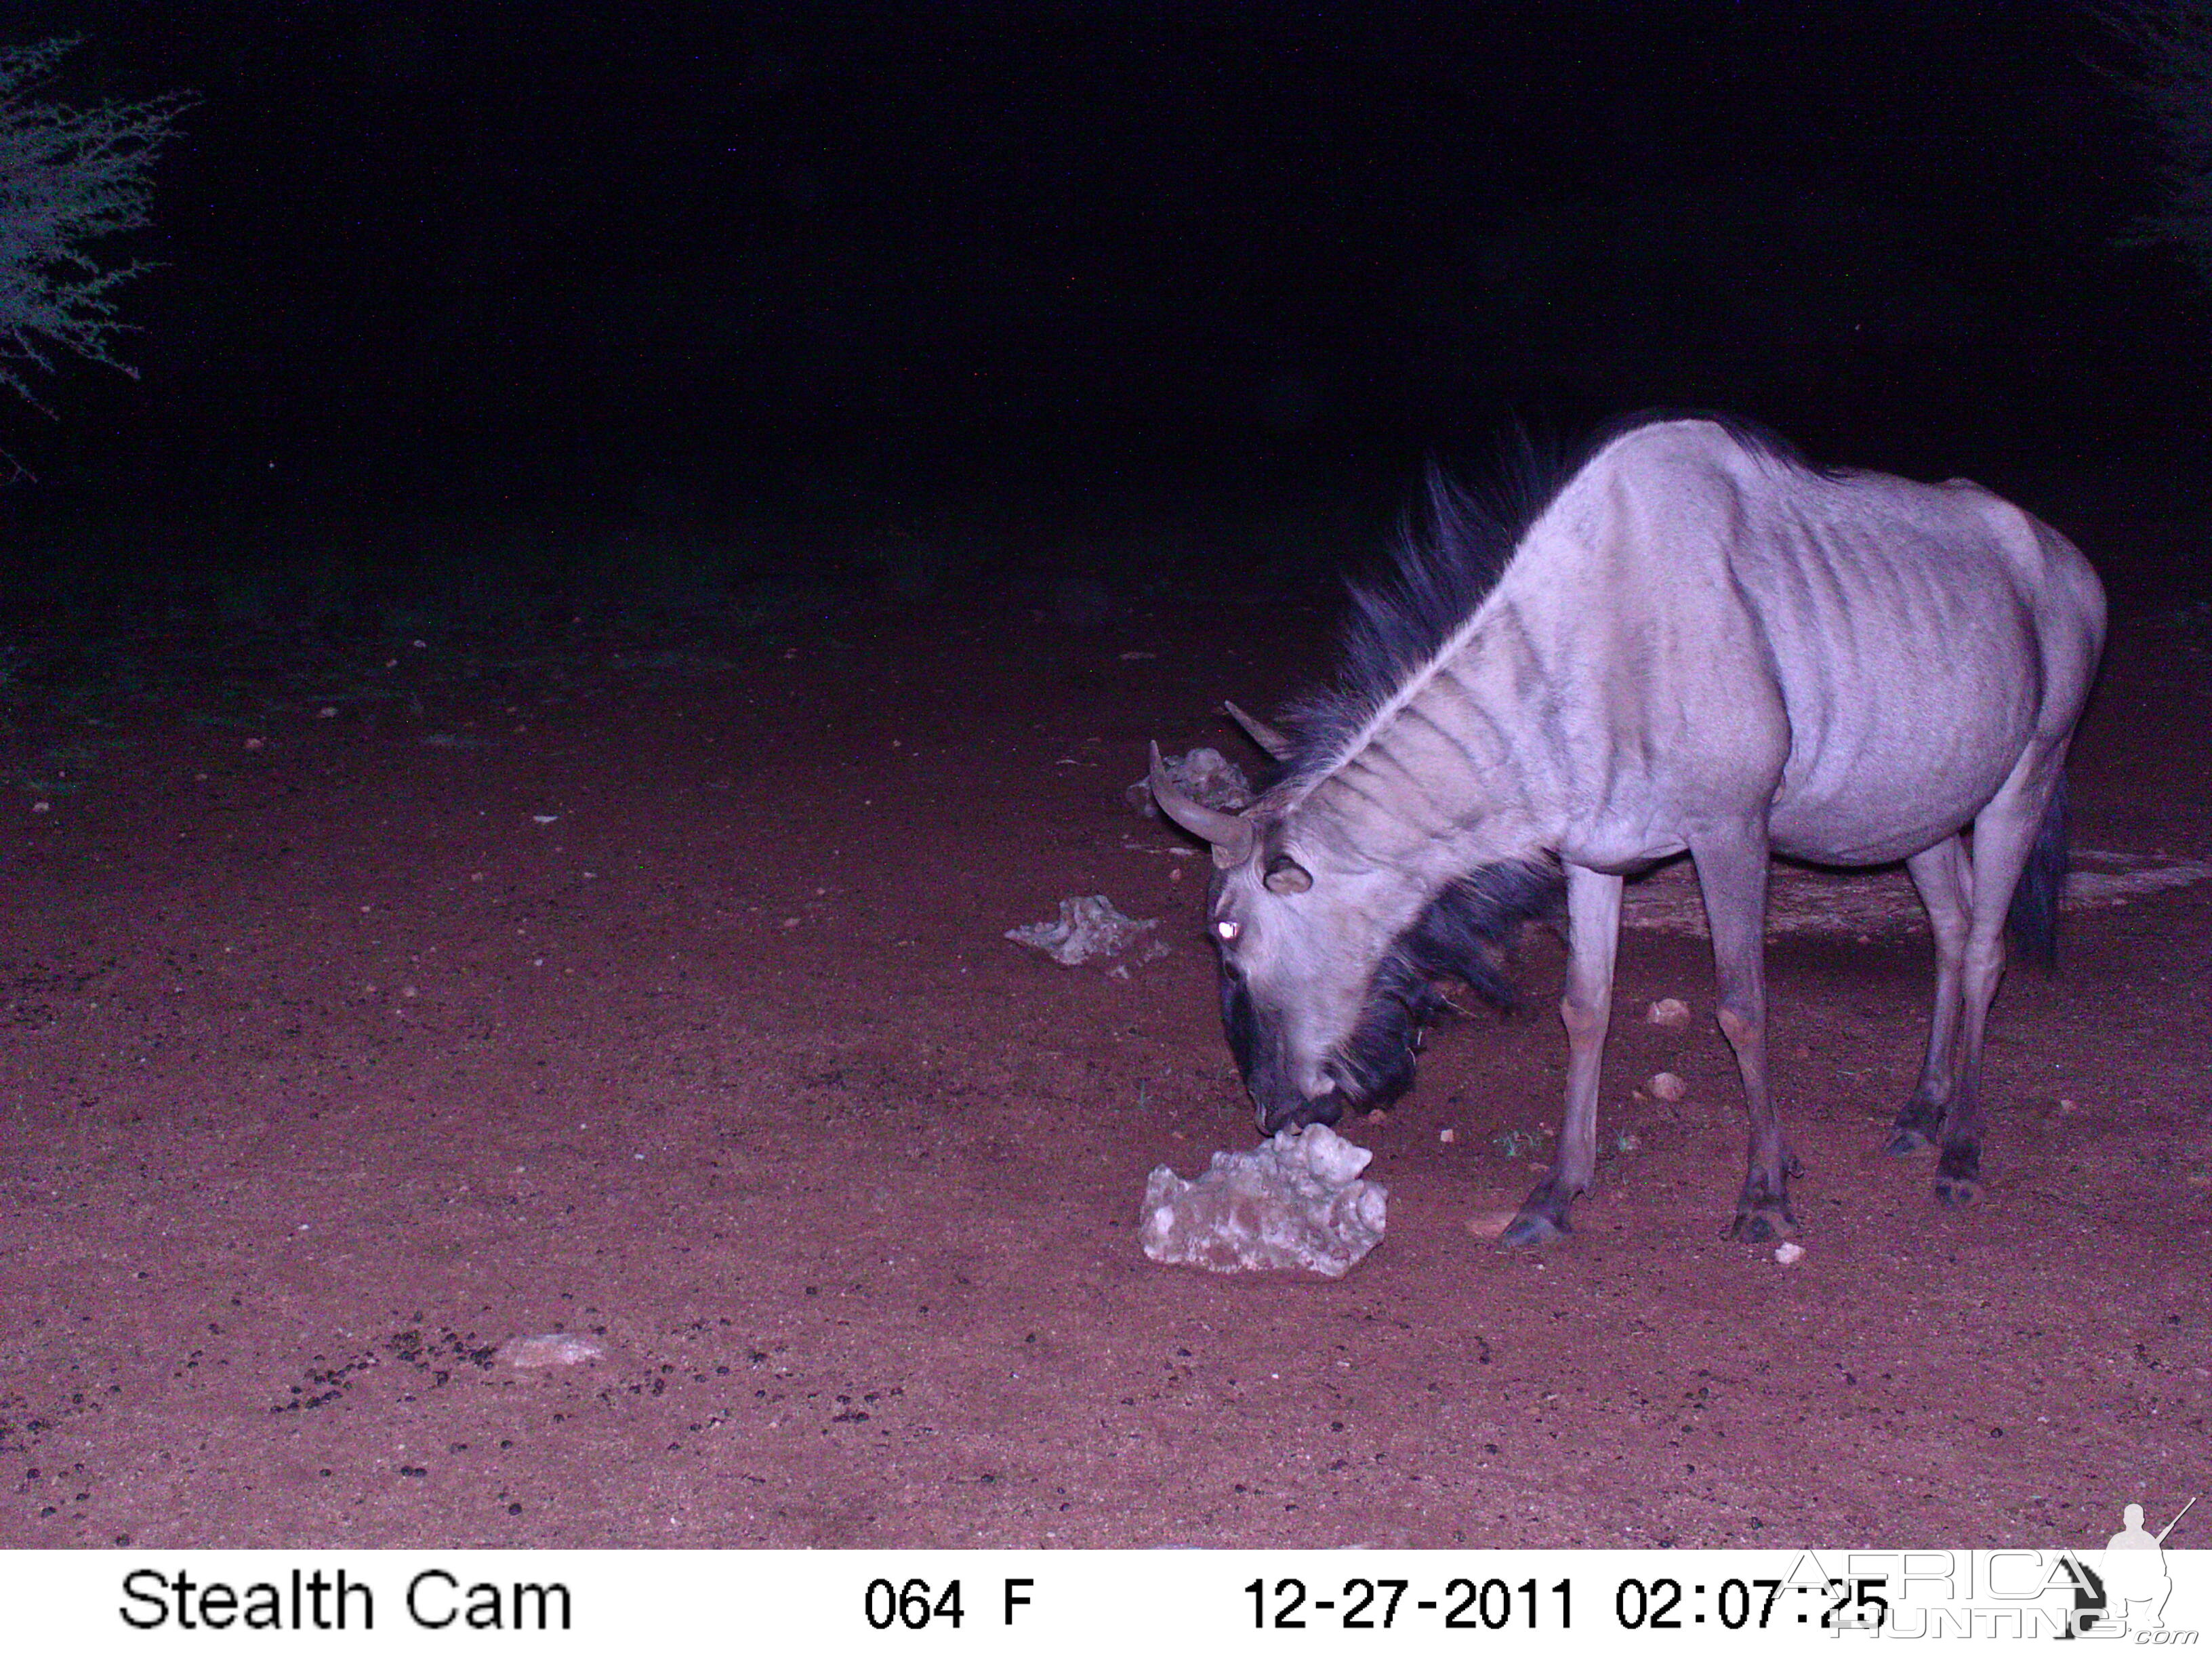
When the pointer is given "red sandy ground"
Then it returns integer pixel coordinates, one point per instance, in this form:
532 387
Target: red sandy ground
329 1067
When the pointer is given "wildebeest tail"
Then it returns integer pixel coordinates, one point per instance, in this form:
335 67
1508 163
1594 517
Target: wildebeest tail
2033 919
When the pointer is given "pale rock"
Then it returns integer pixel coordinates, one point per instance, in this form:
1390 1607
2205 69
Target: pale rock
1666 1087
1669 1012
554 1348
1087 928
1294 1201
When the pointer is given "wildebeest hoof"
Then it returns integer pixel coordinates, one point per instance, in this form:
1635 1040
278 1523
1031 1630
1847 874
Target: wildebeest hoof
1532 1228
1958 1192
1905 1142
1764 1227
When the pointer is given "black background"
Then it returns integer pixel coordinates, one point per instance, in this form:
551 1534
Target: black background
698 265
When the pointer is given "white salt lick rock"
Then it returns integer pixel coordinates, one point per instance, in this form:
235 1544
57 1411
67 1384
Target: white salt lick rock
1295 1202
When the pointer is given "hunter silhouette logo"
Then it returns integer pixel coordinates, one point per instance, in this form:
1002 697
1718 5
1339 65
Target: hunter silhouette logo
2136 1583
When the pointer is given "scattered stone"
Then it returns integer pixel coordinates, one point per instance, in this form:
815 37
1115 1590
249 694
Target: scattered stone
555 1348
1669 1012
1447 1136
1666 1087
1206 775
1087 928
1295 1202
1789 1252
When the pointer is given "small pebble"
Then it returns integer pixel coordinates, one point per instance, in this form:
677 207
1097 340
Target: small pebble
1669 1010
1787 1253
1666 1087
1447 1136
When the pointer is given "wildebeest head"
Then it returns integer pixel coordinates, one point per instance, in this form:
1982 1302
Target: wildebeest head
1328 958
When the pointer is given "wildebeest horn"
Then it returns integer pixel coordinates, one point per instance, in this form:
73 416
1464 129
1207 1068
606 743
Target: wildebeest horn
1260 732
1229 835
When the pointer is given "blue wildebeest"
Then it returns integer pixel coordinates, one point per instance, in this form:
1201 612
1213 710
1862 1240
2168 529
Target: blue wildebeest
1691 642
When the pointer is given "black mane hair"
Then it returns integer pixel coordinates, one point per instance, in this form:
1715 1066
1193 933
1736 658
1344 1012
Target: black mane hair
1464 934
1445 564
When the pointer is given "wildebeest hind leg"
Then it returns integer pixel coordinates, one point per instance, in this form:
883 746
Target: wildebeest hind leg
1946 887
2004 836
1593 936
1732 868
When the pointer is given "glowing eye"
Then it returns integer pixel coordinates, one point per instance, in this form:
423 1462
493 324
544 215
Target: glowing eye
1228 930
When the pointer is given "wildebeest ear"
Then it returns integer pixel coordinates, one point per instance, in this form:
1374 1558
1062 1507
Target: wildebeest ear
1287 875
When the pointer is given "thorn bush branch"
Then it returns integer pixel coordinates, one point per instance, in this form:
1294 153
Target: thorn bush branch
69 178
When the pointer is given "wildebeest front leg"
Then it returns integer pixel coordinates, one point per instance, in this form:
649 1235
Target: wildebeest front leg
1732 877
1946 886
1593 936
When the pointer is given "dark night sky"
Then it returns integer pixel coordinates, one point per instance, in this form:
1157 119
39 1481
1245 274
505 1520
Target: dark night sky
579 254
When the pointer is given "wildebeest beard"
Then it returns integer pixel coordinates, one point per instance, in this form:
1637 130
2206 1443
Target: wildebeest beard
1463 935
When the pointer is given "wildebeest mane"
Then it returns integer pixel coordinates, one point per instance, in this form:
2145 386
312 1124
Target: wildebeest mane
1441 567
1443 564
